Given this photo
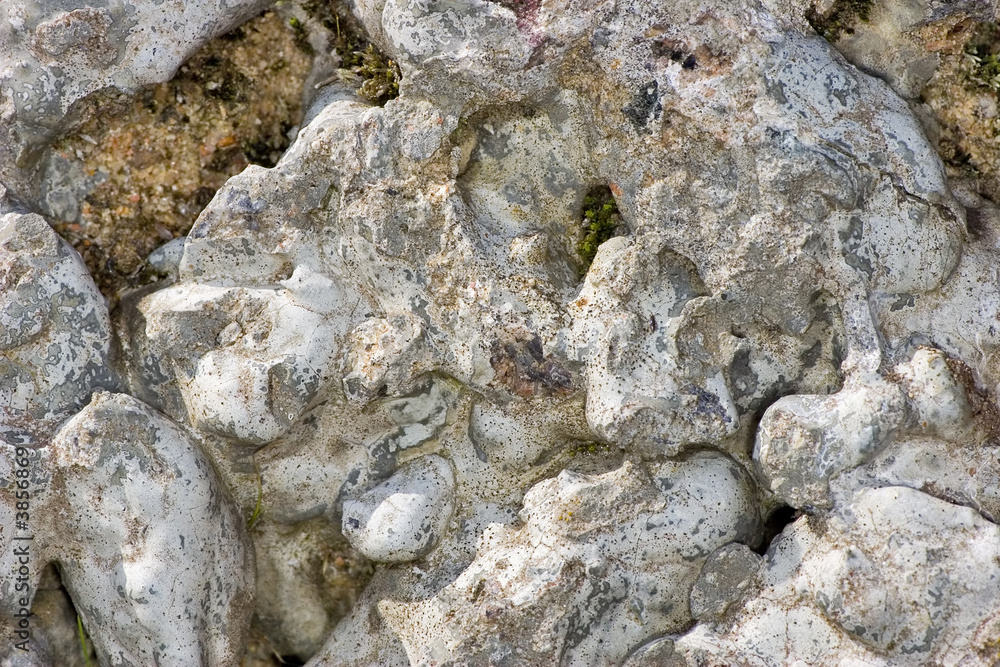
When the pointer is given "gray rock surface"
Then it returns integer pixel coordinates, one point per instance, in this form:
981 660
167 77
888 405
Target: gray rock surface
724 576
55 334
804 441
392 345
887 45
878 582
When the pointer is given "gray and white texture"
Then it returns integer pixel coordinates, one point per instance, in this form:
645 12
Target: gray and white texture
390 344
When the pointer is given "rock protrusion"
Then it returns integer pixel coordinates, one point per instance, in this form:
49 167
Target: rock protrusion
402 518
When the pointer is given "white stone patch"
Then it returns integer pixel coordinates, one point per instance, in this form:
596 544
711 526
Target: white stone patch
403 518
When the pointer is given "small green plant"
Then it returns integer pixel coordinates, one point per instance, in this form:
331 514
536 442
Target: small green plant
258 508
83 641
600 222
301 34
381 76
986 71
360 60
982 53
842 18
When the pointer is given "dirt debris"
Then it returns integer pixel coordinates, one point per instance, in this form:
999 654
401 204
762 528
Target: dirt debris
154 160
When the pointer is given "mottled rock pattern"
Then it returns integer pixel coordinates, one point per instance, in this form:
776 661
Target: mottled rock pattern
599 564
55 333
390 343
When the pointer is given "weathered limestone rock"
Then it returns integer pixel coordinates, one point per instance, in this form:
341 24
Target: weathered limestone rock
148 544
158 561
254 365
836 591
598 564
392 350
402 518
804 441
55 335
888 44
649 376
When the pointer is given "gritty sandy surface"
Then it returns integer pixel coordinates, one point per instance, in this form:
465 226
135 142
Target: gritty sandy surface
160 156
964 110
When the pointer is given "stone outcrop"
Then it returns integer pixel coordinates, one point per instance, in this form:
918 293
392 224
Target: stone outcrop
392 346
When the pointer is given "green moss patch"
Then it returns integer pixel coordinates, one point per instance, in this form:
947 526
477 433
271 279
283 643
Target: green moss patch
843 17
982 53
381 76
377 75
600 221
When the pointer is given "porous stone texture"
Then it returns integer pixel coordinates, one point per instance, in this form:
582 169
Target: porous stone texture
386 357
878 582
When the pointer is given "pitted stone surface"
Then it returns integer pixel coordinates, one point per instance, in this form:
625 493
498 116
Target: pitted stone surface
160 563
596 566
389 345
804 441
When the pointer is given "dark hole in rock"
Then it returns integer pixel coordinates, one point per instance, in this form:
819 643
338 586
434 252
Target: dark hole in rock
54 617
842 17
776 521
